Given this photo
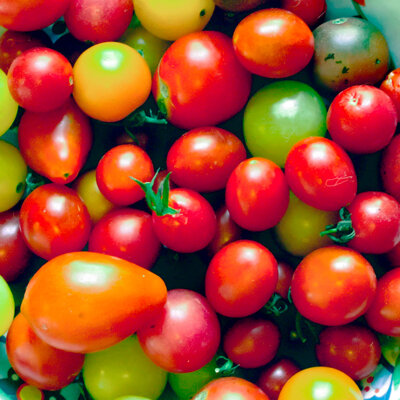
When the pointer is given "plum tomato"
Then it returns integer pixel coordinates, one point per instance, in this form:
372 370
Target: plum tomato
391 86
390 168
8 106
310 11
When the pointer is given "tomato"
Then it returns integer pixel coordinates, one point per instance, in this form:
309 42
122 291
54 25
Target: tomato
203 158
111 80
188 316
47 224
7 306
95 289
40 79
36 362
273 43
12 180
8 106
98 21
285 273
321 174
199 81
391 86
362 119
70 47
257 195
320 383
394 256
279 115
333 286
251 342
29 392
390 168
56 144
169 20
355 350
160 178
310 11
238 5
241 278
123 369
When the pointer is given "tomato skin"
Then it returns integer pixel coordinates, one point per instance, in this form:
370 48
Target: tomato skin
391 86
310 11
333 286
241 278
285 273
321 174
221 86
273 43
390 168
36 362
257 195
9 107
203 158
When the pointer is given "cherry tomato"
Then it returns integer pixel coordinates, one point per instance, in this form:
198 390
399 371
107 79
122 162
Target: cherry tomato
241 278
391 86
394 256
257 195
200 82
390 168
285 273
203 158
238 5
273 43
321 174
29 392
333 286
310 11
7 306
8 106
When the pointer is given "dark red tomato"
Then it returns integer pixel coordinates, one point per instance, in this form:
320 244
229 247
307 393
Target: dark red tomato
384 314
192 228
272 379
310 11
114 172
186 336
251 342
29 15
98 20
56 144
333 286
54 220
227 231
200 82
257 194
238 5
241 278
391 86
127 234
273 43
394 256
140 138
390 168
355 350
36 362
40 79
285 273
376 220
14 254
362 119
321 174
203 158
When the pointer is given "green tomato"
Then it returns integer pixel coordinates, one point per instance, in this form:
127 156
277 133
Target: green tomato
281 114
7 306
8 106
390 347
122 370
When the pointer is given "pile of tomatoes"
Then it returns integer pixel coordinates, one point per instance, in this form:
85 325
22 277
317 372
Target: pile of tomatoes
197 200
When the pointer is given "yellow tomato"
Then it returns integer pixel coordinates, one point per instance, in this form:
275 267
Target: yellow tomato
8 106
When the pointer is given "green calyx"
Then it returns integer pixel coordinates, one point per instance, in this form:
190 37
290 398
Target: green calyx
227 367
343 232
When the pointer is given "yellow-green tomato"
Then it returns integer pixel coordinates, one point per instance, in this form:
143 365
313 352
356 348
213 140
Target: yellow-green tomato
13 171
132 398
172 19
7 306
299 229
123 370
8 106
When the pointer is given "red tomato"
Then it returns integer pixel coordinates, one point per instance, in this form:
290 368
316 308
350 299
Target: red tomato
273 43
241 278
333 286
114 172
160 178
202 159
40 79
199 81
186 336
54 220
394 256
321 174
391 86
390 168
310 11
285 273
251 342
85 302
362 119
36 362
257 194
127 234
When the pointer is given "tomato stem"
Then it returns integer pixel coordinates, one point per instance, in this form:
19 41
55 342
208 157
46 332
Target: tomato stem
396 373
343 232
227 368
276 305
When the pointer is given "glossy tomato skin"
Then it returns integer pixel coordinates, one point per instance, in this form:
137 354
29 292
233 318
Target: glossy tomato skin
95 289
241 278
203 158
273 43
188 316
54 221
362 119
192 228
310 11
199 81
333 286
285 273
390 168
257 195
391 86
36 362
40 79
321 174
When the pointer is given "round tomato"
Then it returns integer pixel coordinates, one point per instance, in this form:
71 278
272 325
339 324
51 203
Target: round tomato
310 11
8 106
391 86
7 306
390 168
285 273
